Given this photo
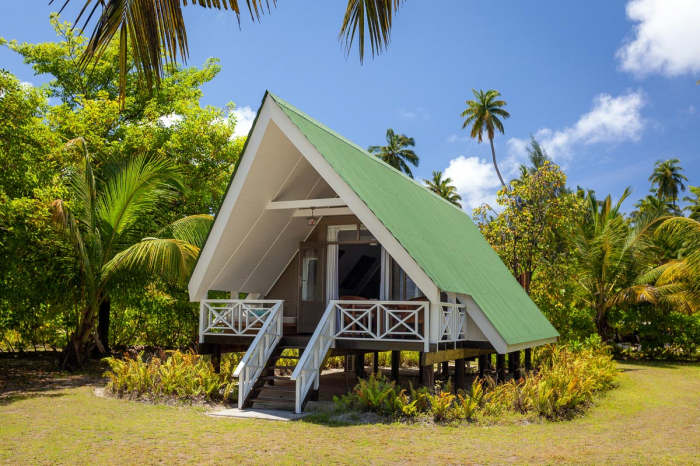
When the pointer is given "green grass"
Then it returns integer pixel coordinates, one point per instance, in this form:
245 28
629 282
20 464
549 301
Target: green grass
652 418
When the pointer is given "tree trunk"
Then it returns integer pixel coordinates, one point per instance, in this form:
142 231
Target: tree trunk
103 324
498 172
77 351
602 325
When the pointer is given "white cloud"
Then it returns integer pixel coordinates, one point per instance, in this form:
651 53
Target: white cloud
413 114
666 38
475 180
456 138
611 120
244 120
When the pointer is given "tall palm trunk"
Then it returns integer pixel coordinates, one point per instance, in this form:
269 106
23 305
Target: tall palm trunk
79 346
493 152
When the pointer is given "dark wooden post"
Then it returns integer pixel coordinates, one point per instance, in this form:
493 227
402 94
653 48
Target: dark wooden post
528 359
420 368
216 358
395 365
501 368
459 374
517 373
491 365
511 366
446 369
482 365
375 364
360 365
428 376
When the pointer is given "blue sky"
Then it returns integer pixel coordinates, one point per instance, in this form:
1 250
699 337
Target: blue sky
607 87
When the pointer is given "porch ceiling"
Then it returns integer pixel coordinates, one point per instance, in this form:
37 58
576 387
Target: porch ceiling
256 243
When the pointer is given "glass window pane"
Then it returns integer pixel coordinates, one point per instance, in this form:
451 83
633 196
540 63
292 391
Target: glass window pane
310 276
347 235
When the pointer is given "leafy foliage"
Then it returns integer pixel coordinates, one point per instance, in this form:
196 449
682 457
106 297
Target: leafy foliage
567 379
173 374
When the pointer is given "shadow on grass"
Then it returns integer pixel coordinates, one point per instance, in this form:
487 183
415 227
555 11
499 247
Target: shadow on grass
32 377
640 364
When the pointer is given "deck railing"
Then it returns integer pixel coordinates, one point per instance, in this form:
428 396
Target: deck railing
398 321
454 323
239 317
255 359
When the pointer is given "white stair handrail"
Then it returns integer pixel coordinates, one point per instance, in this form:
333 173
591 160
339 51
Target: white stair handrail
308 370
255 359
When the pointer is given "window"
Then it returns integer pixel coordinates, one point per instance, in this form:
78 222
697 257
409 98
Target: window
310 290
402 287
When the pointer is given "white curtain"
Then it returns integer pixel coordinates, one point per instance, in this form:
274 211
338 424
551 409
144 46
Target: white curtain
384 287
332 265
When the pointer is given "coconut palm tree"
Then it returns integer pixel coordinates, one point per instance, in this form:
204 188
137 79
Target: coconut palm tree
612 256
154 32
104 221
693 202
678 280
668 179
485 114
395 153
443 188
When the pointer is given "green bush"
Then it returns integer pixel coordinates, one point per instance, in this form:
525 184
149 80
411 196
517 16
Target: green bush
566 379
173 374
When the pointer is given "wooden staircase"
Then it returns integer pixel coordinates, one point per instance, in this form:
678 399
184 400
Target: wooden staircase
272 388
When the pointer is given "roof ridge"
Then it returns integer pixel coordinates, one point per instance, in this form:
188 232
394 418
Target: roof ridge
335 134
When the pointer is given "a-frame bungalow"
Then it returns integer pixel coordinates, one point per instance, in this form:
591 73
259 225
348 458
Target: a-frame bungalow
338 253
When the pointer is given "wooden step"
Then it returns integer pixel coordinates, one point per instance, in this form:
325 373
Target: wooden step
285 357
272 400
290 368
274 388
274 377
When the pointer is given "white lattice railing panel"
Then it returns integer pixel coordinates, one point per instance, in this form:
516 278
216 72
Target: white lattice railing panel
233 316
382 320
454 322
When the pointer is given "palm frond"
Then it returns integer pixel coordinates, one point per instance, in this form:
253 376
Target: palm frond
134 192
153 29
192 229
373 17
172 259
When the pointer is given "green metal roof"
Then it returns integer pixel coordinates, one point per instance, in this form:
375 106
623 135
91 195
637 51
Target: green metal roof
440 237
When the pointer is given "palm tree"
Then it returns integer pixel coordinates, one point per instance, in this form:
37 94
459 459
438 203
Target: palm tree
693 202
654 206
395 153
612 256
104 221
444 189
678 280
484 114
154 32
668 178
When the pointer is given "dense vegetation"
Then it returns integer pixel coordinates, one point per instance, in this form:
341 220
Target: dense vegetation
566 380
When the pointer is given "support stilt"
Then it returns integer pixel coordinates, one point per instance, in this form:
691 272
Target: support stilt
500 368
459 375
360 365
482 365
375 363
517 373
446 369
395 365
528 359
428 373
216 358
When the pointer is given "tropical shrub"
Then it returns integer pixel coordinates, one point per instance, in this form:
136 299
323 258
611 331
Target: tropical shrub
566 380
172 374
